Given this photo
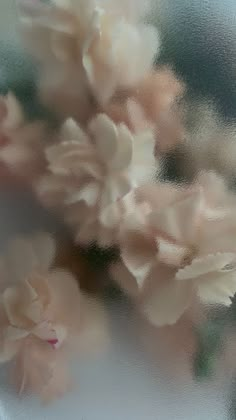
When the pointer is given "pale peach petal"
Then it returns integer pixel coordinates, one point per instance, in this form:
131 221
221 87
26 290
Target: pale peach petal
8 349
137 117
73 132
34 311
45 331
33 366
89 194
171 254
15 300
124 153
14 333
61 335
115 188
59 382
105 136
114 214
180 220
168 302
138 254
50 191
205 265
217 288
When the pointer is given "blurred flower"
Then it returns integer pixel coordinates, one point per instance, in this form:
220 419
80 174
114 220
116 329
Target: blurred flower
88 46
44 318
21 142
181 250
89 172
28 297
39 309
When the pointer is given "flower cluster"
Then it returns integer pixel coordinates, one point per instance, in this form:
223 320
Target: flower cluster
85 49
101 170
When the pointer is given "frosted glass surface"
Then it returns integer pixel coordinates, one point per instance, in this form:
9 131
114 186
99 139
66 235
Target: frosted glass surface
125 383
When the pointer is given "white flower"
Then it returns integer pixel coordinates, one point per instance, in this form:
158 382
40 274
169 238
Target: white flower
90 40
31 298
181 251
97 169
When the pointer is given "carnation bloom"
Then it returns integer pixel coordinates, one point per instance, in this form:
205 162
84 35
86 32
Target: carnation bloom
90 171
32 295
43 316
88 46
181 250
21 142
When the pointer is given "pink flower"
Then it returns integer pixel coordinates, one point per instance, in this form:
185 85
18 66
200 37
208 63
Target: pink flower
89 46
21 142
182 250
90 172
39 305
28 297
44 318
117 54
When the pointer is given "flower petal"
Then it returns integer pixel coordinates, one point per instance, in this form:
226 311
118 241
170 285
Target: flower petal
171 254
13 333
180 219
123 156
217 288
73 132
105 137
15 301
115 188
138 255
112 215
44 331
89 194
168 303
8 349
205 265
33 366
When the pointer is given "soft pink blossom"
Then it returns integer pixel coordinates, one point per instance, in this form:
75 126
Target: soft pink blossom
43 317
181 250
88 46
21 142
90 171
